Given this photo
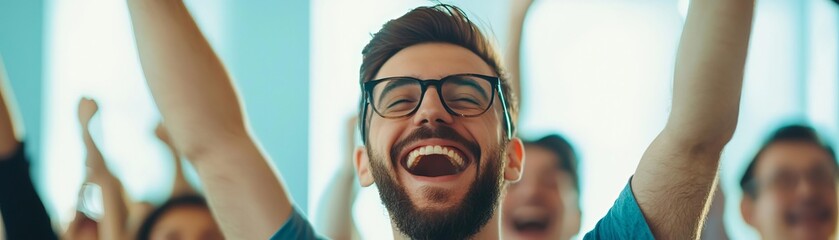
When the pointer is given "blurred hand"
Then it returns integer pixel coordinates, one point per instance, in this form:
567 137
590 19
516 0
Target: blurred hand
163 134
97 171
82 228
87 108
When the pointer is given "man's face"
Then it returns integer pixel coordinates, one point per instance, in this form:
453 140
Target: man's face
414 160
543 204
796 192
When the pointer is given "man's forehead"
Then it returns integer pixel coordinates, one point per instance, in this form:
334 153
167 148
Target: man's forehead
433 61
792 156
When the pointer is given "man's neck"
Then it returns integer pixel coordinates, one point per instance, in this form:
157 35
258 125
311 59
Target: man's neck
489 231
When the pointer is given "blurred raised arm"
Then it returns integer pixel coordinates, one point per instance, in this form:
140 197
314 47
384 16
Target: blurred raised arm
335 212
23 212
11 130
512 56
201 108
115 215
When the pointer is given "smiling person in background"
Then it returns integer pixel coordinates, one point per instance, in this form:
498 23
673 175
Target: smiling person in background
789 187
545 203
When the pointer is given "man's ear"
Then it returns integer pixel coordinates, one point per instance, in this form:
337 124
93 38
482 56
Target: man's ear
515 160
575 221
362 167
747 210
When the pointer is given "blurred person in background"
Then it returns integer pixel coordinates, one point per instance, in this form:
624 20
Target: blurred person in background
789 187
184 215
24 215
545 203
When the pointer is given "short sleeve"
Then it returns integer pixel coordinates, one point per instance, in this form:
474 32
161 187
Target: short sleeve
624 220
296 228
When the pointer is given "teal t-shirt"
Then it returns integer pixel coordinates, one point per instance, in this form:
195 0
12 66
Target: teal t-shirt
624 221
296 227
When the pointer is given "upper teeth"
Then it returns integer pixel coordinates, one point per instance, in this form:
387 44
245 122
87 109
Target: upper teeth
413 157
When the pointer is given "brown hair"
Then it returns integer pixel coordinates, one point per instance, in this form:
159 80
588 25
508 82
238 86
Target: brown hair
798 133
145 231
564 152
441 23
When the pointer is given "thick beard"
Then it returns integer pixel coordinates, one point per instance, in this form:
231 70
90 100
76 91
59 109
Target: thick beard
461 221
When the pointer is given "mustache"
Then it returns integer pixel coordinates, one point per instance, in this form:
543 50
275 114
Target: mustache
441 132
466 219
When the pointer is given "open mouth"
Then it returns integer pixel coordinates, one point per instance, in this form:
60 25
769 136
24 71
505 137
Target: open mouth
531 225
810 215
435 161
530 221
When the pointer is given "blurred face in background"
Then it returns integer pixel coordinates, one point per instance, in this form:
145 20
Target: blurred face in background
544 203
795 184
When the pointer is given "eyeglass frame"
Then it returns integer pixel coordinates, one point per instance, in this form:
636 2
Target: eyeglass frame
495 82
754 185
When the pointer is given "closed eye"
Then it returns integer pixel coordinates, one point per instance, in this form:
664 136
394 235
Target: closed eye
398 102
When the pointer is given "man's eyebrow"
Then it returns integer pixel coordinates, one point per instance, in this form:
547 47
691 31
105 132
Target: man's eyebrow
394 84
417 76
472 84
821 165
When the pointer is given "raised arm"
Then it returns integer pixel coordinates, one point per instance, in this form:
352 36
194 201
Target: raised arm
199 104
677 172
23 212
113 222
180 186
11 131
512 56
335 212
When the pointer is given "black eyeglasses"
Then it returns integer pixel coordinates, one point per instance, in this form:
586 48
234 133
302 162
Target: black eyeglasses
787 181
463 95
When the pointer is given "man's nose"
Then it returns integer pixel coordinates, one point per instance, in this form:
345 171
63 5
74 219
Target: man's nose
431 110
